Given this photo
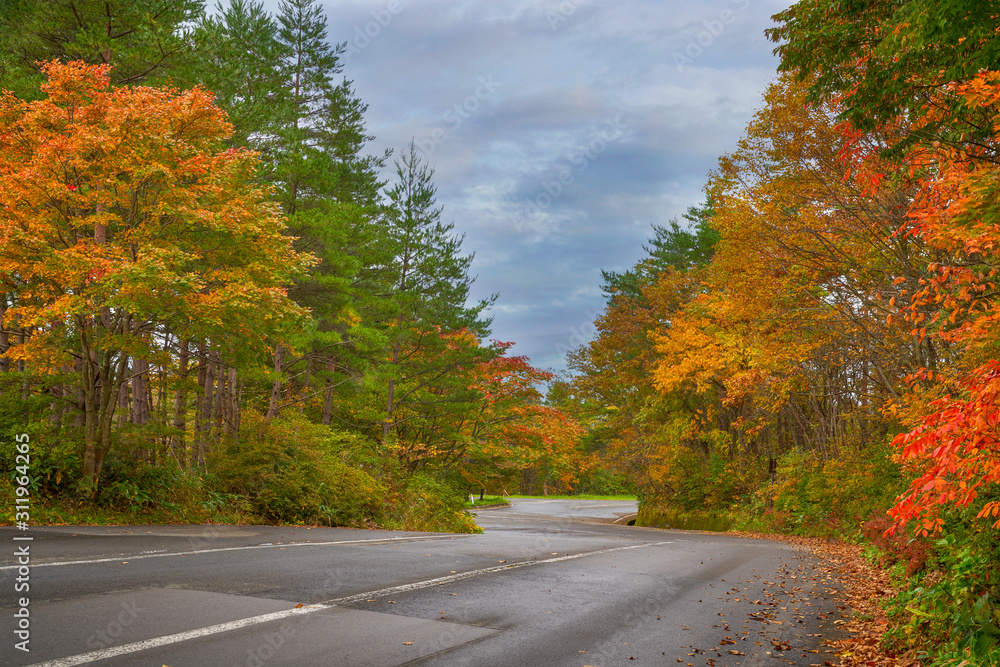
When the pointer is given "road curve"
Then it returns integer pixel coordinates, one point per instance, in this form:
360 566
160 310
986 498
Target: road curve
548 583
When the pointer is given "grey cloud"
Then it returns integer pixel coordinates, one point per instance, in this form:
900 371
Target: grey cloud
565 66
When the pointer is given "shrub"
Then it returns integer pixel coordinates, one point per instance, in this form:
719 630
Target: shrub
951 611
294 471
425 502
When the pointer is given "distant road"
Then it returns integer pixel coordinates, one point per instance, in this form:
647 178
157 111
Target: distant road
574 509
547 584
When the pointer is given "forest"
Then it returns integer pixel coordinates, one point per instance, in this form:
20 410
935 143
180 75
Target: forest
814 351
213 307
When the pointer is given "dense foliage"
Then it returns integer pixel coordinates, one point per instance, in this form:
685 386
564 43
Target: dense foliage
212 306
816 353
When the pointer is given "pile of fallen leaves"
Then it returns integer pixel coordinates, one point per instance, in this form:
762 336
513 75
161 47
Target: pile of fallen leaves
865 587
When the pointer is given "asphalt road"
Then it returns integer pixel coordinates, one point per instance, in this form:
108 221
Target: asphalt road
549 583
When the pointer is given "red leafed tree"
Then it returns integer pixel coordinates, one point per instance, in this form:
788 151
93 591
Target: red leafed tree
955 444
513 431
958 448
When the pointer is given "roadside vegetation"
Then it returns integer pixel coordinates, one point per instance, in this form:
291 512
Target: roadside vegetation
486 501
215 307
260 329
813 350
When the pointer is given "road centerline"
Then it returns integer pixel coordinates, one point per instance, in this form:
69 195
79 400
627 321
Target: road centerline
404 588
166 640
269 545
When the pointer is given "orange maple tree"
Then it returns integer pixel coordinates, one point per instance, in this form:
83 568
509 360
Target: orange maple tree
121 217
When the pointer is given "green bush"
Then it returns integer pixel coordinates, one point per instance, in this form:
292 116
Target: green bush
294 471
951 609
831 496
427 503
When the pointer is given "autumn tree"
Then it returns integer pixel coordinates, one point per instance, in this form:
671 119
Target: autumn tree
122 219
144 42
432 333
513 436
622 408
923 70
884 60
809 259
954 408
781 339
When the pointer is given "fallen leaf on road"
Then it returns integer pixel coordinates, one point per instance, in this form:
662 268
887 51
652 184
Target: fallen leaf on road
407 643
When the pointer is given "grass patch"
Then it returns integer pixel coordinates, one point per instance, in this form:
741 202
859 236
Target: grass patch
53 513
582 496
488 500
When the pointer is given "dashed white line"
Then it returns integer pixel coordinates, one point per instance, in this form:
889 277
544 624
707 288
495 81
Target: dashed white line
268 545
166 640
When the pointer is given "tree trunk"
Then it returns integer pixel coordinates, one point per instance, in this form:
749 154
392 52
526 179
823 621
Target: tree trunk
272 407
208 394
328 404
4 340
102 379
389 405
177 446
221 392
231 416
140 392
124 409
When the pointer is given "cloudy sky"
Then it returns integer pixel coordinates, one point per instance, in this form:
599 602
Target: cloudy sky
559 130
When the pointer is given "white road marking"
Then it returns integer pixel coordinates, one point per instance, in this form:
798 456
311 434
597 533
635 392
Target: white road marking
267 545
155 642
166 640
473 573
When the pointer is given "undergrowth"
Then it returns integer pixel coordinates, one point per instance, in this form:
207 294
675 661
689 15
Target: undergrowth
282 471
946 609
